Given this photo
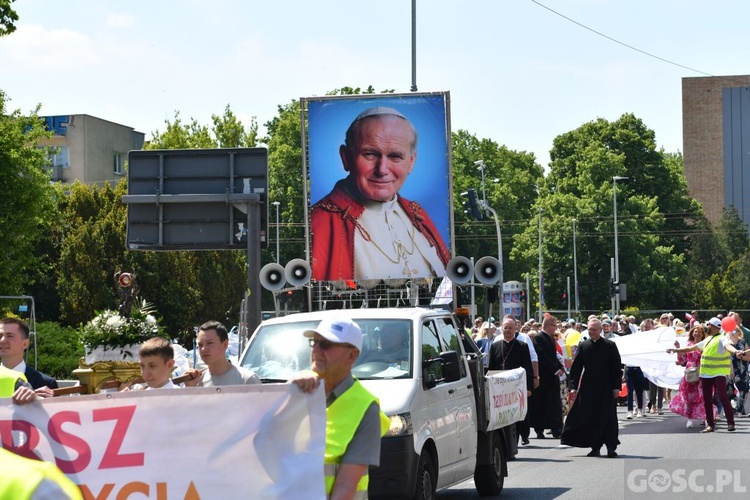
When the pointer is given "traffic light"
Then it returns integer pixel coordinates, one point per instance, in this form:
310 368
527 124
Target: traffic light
614 288
470 205
492 294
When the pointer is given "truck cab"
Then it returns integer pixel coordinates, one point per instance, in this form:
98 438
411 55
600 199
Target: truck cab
427 376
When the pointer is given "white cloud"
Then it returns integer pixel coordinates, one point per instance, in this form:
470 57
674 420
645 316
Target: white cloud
34 47
119 20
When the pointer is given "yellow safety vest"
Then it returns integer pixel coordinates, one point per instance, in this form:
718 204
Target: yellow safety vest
342 420
21 477
714 364
8 379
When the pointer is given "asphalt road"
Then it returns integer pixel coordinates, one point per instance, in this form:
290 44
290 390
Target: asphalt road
545 470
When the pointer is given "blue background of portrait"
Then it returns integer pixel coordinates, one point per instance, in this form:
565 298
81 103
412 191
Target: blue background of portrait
428 183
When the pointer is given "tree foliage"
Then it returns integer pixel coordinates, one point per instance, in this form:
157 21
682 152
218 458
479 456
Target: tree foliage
92 251
511 180
8 18
28 198
654 216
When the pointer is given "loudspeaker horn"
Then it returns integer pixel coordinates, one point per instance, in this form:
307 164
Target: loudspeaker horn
297 272
487 270
459 270
272 277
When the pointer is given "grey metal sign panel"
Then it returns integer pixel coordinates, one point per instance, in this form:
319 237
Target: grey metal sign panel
195 199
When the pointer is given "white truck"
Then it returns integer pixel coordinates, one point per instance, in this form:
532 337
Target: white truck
434 395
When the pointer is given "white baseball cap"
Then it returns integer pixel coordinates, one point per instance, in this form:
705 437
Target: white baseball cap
340 331
715 321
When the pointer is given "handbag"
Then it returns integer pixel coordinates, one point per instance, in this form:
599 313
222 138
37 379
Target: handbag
692 374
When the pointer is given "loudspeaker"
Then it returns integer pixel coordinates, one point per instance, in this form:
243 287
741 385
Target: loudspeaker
487 270
459 270
272 277
297 272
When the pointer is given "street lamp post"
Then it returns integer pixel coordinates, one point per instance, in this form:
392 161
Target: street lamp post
488 208
480 167
276 204
617 257
541 277
575 269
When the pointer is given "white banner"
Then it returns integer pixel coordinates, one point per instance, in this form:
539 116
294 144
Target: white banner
260 441
648 350
505 393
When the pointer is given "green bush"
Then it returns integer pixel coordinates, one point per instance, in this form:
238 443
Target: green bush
58 350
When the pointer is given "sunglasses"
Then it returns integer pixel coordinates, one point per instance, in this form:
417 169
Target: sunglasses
326 344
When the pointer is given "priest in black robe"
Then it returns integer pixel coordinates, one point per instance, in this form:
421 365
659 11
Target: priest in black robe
508 354
592 420
545 405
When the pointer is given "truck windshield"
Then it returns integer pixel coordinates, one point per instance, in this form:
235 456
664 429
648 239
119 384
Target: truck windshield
278 351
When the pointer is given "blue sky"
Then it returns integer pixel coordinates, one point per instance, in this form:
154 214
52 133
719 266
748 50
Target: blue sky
517 73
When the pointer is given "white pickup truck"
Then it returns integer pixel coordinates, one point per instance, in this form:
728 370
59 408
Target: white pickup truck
434 394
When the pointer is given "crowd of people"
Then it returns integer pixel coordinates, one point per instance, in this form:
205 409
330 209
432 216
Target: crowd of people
715 387
354 428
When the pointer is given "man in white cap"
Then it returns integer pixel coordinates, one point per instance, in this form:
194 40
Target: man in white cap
355 423
363 228
716 365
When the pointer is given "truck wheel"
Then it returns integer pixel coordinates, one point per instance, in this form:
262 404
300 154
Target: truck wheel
489 479
426 478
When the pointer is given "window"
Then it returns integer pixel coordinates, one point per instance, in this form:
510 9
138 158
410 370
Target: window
431 349
58 156
449 336
119 163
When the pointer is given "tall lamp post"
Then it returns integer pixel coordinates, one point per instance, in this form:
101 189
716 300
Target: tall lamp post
575 269
276 204
480 167
541 277
617 256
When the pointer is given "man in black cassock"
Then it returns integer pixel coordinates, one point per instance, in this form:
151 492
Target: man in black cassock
508 354
545 406
592 420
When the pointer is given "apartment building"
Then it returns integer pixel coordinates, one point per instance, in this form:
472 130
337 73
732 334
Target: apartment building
90 149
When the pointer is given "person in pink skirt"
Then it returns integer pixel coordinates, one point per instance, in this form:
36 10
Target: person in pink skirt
689 399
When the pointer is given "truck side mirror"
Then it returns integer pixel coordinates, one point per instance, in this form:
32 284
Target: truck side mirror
451 369
432 372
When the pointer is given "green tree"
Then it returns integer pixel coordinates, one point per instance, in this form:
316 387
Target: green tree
8 18
285 179
180 135
732 234
653 209
43 280
231 133
28 198
720 264
92 251
511 179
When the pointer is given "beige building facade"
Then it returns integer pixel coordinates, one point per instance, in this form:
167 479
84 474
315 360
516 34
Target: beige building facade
713 146
90 149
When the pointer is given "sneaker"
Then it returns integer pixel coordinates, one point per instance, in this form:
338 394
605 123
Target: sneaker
689 424
660 412
525 441
639 414
708 429
630 415
730 428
